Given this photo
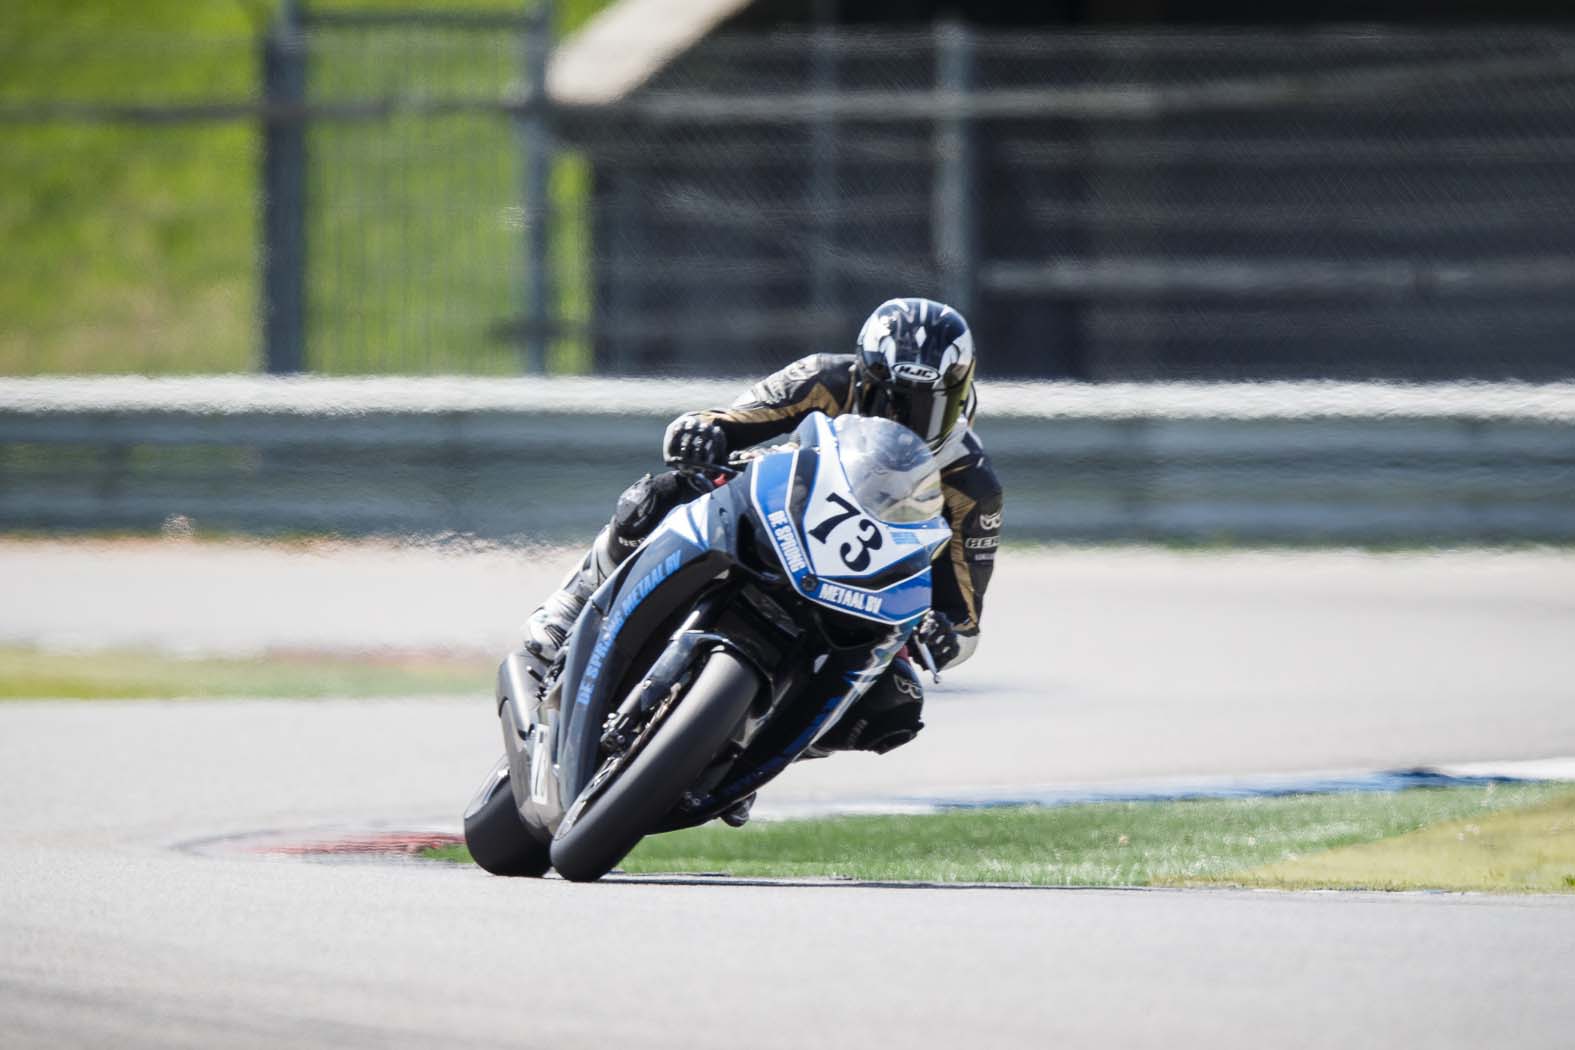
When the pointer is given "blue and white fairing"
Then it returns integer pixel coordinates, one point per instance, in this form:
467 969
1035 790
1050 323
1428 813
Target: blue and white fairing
853 533
852 511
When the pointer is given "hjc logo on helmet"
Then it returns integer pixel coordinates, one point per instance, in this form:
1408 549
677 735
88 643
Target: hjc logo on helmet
915 373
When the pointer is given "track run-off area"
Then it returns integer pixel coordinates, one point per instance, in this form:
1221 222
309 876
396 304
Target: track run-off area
1099 668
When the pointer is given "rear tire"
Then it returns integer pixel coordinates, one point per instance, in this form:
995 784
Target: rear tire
500 841
671 761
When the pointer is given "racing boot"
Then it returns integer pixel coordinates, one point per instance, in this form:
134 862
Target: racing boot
546 629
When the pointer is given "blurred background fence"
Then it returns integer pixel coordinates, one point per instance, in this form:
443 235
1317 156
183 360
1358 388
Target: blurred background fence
710 189
361 188
1159 204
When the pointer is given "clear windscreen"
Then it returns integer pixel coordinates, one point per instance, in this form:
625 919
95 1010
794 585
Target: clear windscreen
890 468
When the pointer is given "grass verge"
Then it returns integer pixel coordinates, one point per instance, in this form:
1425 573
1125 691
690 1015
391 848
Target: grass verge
115 675
133 247
1106 844
1530 850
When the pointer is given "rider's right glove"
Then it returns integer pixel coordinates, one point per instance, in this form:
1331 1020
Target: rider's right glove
939 637
692 442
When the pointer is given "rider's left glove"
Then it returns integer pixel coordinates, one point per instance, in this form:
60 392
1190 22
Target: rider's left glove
939 637
692 442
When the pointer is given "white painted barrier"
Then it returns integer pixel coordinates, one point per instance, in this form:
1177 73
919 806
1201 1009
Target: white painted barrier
318 395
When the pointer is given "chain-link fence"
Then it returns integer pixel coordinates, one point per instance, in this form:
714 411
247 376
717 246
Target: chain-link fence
1105 204
414 239
331 189
127 198
1351 203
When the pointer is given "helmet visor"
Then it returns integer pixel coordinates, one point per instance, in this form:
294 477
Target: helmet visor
930 412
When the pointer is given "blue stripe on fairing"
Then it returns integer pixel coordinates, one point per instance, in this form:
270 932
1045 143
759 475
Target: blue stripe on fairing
628 601
772 481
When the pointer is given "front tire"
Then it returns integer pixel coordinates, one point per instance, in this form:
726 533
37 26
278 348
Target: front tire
672 760
500 841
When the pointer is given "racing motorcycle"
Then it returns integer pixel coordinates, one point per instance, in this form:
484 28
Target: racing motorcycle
718 652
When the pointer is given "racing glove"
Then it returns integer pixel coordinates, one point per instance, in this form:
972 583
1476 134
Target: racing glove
692 442
939 637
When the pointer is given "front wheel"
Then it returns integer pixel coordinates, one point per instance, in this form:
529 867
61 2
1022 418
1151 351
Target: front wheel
498 839
671 761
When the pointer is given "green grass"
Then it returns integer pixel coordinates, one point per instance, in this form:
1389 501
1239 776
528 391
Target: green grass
121 675
126 248
1530 850
1106 844
135 248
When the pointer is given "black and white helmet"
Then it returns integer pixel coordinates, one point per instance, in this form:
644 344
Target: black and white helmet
914 364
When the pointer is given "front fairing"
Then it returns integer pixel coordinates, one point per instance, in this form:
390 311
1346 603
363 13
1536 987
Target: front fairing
837 555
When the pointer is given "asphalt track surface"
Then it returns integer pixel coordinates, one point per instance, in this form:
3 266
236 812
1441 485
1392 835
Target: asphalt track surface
125 920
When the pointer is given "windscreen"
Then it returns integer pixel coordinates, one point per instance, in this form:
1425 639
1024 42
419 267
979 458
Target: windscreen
892 472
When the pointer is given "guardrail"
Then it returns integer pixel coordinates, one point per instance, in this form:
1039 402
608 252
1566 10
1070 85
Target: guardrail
545 459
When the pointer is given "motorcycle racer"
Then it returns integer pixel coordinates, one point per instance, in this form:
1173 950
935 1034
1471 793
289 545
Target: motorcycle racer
913 363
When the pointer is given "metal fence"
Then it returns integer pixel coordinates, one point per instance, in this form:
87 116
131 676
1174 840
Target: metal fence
339 190
1327 202
1106 204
